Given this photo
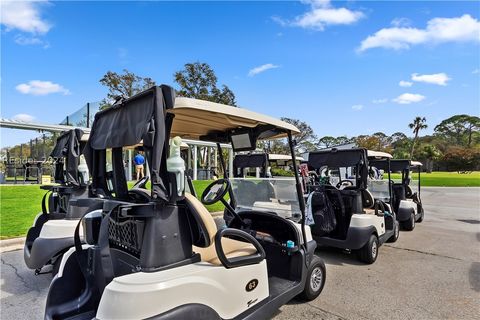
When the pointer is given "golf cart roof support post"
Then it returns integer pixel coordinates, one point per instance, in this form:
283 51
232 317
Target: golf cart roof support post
301 200
225 174
390 186
222 161
419 168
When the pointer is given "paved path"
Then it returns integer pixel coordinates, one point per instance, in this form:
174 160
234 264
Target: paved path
430 273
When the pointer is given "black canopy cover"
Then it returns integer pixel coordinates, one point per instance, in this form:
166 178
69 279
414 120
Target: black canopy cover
68 148
395 165
337 158
242 161
141 117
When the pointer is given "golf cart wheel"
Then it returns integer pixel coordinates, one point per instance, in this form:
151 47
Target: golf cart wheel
369 252
422 215
409 225
396 232
315 280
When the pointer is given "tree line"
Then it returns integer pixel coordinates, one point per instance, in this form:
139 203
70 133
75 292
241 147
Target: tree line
454 145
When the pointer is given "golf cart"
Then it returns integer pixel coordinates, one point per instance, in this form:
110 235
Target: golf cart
47 239
157 254
345 213
406 203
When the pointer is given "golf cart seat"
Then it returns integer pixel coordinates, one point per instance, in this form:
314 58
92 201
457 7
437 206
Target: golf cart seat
367 199
232 248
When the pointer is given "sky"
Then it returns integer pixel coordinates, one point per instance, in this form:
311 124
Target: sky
344 67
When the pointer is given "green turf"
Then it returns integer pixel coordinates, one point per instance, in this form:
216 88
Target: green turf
19 204
447 179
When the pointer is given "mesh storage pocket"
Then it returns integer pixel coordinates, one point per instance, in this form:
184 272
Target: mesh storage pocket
126 234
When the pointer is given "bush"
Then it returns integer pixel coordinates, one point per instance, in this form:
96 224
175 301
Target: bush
277 172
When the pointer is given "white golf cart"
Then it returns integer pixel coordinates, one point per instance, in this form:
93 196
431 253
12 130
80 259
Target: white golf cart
405 201
157 253
50 235
345 213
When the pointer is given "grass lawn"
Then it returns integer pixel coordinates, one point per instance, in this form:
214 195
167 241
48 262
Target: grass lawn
447 179
19 204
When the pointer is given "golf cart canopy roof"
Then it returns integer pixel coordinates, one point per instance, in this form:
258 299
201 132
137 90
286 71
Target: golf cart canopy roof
416 163
396 165
281 157
205 120
378 155
337 158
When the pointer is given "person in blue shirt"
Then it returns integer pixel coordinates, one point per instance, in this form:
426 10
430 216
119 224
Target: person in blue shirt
139 161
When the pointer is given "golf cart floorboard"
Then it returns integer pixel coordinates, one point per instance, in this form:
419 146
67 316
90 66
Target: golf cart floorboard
278 285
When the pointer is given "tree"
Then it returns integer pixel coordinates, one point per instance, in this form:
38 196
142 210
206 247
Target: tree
429 153
418 124
367 142
123 85
462 159
198 80
306 138
459 129
327 141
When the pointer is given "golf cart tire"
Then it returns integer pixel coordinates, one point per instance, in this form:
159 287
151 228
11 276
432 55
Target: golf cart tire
422 216
396 233
366 252
409 225
310 293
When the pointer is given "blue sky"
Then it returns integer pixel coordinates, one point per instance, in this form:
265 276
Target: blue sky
336 65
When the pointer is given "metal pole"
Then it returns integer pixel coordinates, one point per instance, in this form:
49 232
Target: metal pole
88 114
195 162
129 165
301 200
68 121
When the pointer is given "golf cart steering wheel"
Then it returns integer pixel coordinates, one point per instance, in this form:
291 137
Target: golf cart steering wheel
215 192
345 183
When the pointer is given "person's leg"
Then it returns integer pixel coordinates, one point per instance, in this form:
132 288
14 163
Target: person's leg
137 168
142 172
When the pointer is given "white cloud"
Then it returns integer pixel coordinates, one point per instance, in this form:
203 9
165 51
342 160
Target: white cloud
401 22
408 98
41 88
378 101
438 30
29 41
476 71
23 117
357 107
403 83
440 79
262 68
320 15
24 16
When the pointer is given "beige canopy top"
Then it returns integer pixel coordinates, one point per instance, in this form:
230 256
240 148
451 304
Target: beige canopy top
195 118
416 163
378 154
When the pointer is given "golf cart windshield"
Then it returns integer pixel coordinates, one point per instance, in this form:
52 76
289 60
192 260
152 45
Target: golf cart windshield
334 166
276 195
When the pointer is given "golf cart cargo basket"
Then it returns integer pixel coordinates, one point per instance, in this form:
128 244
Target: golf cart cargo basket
126 234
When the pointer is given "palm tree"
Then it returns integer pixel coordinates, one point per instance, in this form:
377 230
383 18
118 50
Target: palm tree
418 124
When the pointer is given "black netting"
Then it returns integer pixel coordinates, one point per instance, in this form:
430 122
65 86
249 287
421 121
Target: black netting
126 234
